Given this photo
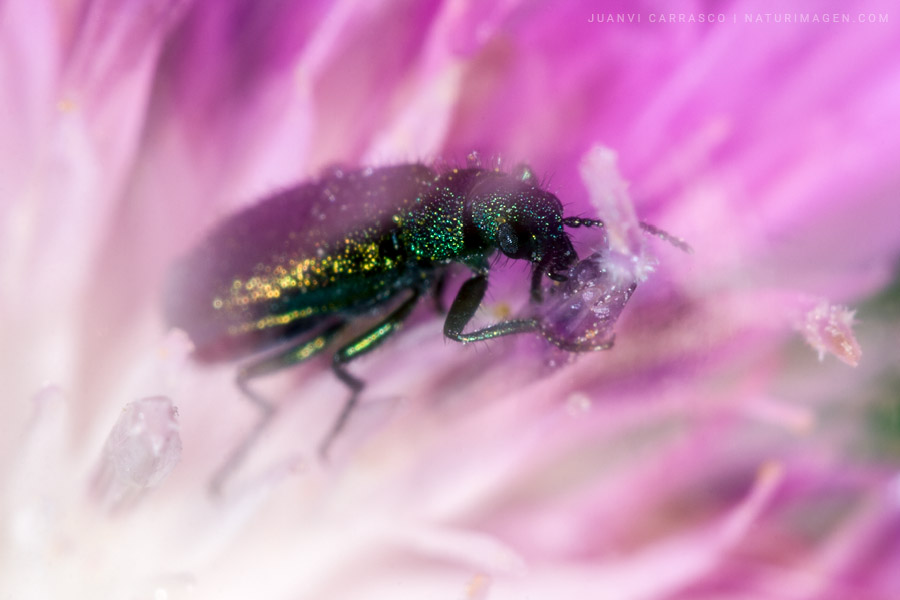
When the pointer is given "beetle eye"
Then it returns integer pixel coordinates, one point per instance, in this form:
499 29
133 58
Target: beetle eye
506 238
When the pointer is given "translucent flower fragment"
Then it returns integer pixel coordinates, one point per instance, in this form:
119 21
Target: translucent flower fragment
580 313
828 328
610 198
141 450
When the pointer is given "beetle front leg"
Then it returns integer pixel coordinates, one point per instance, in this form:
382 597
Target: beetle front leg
537 277
467 301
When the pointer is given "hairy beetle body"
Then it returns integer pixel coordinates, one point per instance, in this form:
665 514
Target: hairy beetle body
349 243
294 272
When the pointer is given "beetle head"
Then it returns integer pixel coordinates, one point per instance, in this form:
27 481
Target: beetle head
522 221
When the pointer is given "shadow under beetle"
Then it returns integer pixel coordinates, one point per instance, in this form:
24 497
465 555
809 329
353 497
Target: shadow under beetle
293 272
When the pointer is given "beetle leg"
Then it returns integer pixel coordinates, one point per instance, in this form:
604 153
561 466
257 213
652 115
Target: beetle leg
293 355
537 276
438 292
366 342
467 301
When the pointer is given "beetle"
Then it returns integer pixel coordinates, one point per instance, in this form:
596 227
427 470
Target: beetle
297 270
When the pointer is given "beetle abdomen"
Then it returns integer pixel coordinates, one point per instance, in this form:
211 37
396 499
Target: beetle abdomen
302 256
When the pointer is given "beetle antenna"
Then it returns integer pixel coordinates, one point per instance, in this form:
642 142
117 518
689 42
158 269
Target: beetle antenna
581 222
665 235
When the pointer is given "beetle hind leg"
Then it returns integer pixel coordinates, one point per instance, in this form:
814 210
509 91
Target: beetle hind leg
362 344
291 356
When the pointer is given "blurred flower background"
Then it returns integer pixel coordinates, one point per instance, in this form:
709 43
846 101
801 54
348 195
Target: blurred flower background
724 448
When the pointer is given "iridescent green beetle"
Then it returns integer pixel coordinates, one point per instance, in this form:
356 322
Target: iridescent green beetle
291 273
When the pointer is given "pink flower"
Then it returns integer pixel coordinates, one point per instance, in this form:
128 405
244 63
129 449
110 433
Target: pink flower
719 449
